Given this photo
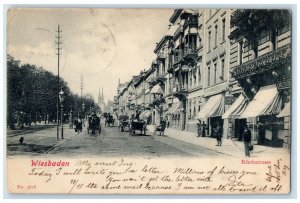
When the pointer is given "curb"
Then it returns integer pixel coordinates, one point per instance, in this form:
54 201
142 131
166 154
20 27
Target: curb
196 145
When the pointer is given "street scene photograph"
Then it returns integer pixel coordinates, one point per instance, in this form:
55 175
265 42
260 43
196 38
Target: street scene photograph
150 83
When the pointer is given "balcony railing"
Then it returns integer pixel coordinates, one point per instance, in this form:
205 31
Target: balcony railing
161 56
178 57
189 52
192 22
263 63
180 88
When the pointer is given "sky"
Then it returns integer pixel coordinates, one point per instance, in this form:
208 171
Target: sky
103 45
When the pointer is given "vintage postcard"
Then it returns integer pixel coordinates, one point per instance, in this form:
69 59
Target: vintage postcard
148 101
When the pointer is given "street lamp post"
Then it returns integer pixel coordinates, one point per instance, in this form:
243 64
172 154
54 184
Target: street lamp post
61 99
83 116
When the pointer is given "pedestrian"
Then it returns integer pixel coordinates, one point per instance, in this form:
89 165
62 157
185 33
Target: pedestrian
204 128
199 128
218 131
261 133
247 140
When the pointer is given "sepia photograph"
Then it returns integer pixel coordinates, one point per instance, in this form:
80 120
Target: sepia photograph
148 101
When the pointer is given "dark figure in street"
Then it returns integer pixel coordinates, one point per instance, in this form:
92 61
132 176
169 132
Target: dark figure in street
199 129
247 140
21 140
204 128
161 128
218 131
261 133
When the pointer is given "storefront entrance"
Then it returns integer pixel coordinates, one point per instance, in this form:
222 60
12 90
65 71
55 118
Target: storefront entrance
213 123
239 126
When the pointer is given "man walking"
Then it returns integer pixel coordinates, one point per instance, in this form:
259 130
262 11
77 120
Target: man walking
247 140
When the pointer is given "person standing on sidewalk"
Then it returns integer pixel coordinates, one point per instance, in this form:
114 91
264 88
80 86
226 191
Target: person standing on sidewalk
247 140
204 128
219 134
199 129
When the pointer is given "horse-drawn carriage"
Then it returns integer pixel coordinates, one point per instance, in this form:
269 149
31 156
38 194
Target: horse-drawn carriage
139 125
94 124
109 120
123 123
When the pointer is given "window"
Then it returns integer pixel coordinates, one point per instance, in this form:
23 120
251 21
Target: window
194 77
216 36
247 46
208 76
209 40
283 30
223 30
240 56
264 37
215 73
199 75
223 69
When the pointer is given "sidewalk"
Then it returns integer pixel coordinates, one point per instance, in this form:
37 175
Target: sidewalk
28 129
37 142
229 146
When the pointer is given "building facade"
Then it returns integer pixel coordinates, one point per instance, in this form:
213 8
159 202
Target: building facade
209 69
260 63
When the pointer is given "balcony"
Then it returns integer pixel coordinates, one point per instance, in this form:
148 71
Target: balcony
192 21
161 56
178 57
263 63
180 91
190 54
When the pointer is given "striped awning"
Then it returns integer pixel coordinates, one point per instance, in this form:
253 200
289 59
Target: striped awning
267 101
156 90
286 111
237 108
213 107
145 114
173 108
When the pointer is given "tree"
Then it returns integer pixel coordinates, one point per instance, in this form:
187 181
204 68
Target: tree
251 22
32 94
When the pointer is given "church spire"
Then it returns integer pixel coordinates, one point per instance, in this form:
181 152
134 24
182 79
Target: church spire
102 96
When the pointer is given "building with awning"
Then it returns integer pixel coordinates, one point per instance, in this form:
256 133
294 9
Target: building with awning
213 107
173 108
286 111
267 101
237 108
145 115
156 90
261 68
